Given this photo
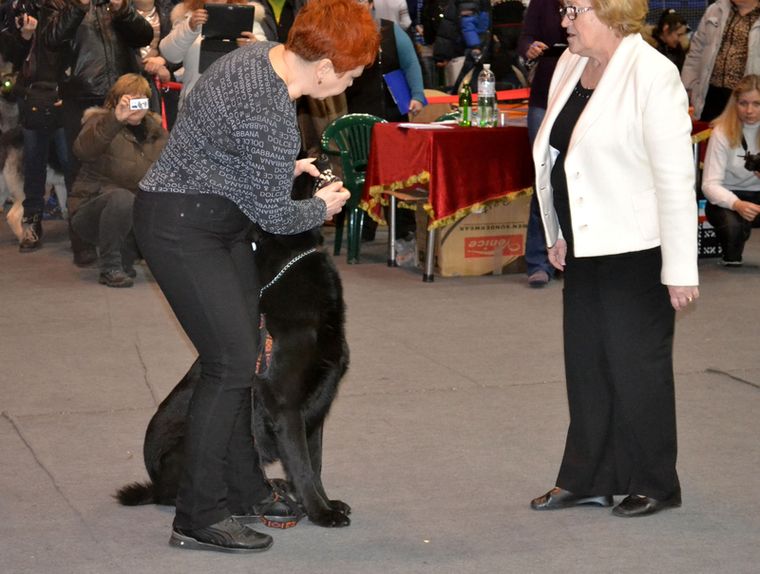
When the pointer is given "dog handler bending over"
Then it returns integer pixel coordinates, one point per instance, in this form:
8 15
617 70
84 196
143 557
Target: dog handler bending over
230 161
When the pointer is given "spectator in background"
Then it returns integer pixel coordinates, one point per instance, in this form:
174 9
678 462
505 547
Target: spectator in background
669 36
731 180
117 145
394 10
422 46
157 69
99 44
725 48
183 43
541 42
462 38
280 15
369 94
39 65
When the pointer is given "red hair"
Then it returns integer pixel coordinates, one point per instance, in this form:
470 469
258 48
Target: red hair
342 31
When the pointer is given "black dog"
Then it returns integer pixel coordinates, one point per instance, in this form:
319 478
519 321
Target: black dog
302 302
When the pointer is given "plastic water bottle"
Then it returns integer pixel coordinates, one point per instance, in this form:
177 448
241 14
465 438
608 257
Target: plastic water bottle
465 105
487 97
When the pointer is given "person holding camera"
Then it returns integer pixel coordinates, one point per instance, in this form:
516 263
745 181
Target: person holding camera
731 177
118 143
40 111
99 40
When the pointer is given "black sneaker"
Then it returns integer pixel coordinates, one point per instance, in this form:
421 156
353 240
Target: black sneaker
227 535
115 278
31 233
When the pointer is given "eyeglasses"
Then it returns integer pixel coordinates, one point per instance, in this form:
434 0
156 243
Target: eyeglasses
572 11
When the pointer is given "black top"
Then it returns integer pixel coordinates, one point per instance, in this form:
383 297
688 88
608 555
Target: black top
559 138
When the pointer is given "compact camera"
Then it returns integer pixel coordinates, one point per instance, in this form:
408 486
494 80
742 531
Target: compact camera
752 161
101 2
326 177
138 104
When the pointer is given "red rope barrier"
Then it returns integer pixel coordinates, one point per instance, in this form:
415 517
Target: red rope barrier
502 96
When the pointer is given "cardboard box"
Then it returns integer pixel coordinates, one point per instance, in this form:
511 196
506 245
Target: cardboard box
707 242
487 243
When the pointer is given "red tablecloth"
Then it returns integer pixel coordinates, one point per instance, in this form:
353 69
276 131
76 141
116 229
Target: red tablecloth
462 167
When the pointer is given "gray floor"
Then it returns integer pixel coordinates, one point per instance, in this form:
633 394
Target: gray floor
451 419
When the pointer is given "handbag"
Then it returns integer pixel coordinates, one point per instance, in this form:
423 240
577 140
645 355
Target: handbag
42 108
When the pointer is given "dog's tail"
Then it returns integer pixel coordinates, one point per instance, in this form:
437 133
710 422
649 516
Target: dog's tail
136 493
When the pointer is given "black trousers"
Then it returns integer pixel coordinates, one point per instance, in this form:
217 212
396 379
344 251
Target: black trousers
618 335
732 229
196 249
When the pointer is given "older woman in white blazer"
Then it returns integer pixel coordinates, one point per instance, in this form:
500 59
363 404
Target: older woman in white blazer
615 182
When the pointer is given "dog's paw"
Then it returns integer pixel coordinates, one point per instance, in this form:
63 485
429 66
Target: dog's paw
340 506
330 519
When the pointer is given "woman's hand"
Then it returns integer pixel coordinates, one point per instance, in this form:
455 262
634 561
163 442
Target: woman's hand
680 297
748 210
415 107
156 66
557 254
125 115
245 39
535 50
335 197
306 165
198 18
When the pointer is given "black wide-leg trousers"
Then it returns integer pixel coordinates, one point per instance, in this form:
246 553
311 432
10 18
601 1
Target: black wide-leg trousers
196 248
618 335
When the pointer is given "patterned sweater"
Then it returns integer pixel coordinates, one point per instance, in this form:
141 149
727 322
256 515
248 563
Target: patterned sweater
237 137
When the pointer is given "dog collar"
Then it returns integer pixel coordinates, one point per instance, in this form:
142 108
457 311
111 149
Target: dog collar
287 266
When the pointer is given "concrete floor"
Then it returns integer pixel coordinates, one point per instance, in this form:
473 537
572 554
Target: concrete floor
452 417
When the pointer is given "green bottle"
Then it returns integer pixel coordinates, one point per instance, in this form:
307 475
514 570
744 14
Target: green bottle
465 105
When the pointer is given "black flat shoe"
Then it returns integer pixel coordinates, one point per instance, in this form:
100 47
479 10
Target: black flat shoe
227 535
636 505
558 498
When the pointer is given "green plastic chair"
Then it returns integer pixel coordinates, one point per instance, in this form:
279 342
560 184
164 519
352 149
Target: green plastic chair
348 137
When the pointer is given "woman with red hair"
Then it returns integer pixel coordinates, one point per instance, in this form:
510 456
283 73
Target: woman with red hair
230 161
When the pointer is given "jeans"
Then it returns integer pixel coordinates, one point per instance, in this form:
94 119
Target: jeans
536 258
37 145
196 248
732 229
106 221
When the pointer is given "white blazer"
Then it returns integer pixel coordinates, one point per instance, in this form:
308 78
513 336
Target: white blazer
629 165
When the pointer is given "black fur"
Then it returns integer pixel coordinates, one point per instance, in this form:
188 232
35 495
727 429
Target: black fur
305 316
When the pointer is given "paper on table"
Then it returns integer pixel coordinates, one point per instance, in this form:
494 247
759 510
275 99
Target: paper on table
413 126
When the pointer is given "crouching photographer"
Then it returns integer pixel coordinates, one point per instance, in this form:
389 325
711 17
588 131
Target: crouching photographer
731 180
118 143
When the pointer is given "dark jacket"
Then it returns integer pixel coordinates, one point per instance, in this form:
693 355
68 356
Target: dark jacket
541 23
278 31
369 94
465 25
100 45
111 155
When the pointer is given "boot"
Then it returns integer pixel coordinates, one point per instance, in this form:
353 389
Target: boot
31 233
